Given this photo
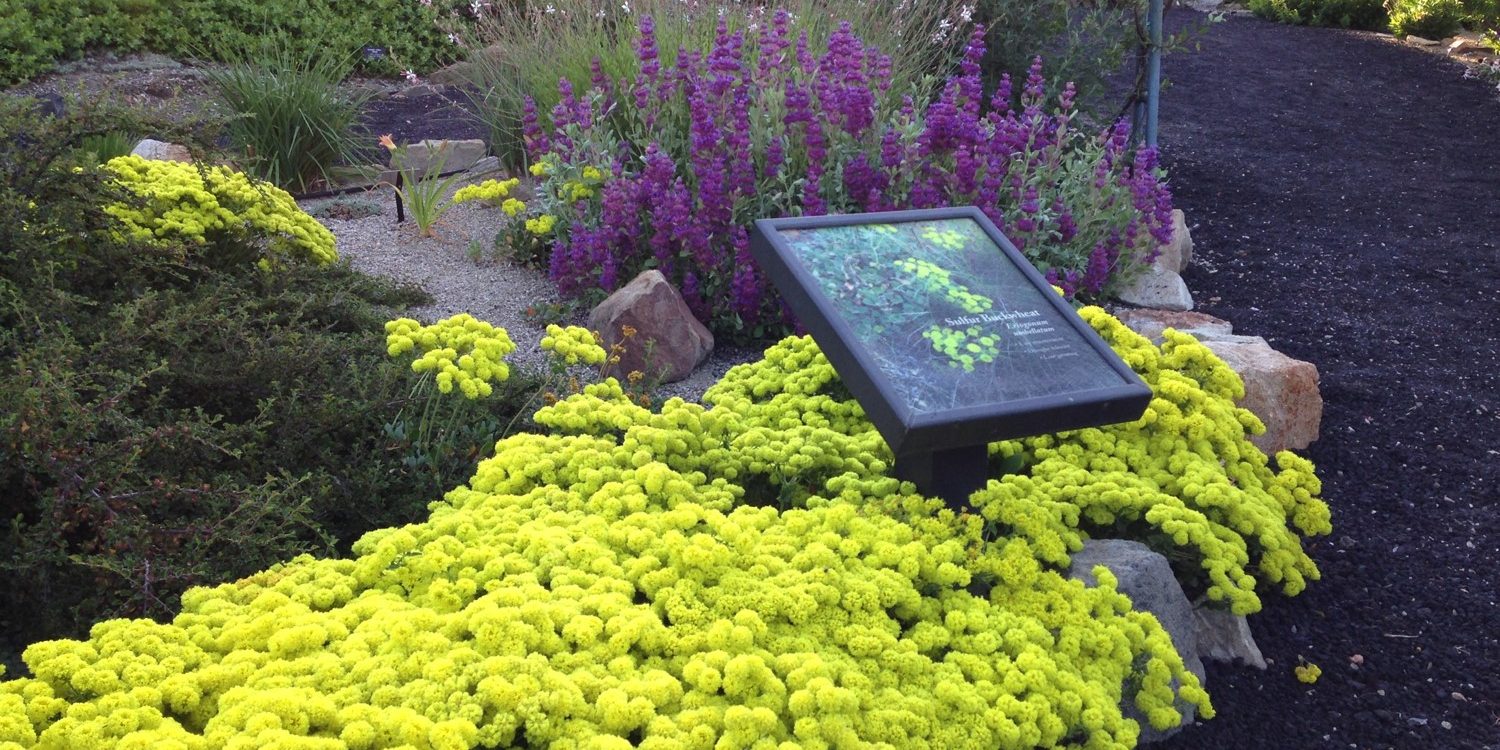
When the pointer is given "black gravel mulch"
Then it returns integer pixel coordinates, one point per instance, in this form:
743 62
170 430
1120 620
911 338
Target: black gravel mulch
1344 196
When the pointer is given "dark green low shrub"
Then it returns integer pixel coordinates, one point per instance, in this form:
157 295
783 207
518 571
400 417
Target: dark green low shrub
1431 19
1354 14
170 418
410 34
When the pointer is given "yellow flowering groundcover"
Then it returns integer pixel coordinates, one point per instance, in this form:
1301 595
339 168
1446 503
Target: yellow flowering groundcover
181 202
738 575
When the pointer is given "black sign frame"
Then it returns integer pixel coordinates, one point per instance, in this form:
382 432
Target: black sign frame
931 446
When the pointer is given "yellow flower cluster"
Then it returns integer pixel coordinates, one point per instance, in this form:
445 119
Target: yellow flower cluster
1308 673
938 281
493 192
574 345
462 352
189 203
1186 468
745 574
541 225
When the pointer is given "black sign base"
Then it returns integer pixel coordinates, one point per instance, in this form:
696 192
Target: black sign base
952 474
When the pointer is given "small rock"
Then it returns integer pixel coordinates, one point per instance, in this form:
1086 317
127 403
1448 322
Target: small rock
161 151
49 104
1280 390
457 74
1150 323
452 156
1146 578
486 165
1177 254
668 342
1465 45
419 90
1223 636
1416 721
1159 288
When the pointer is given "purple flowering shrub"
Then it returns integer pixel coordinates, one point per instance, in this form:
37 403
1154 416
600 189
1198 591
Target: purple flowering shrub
762 125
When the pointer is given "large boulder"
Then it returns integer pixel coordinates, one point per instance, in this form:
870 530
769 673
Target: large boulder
1146 577
1280 390
1157 287
450 156
665 342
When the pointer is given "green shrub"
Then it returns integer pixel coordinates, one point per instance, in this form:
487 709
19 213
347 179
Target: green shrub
1079 42
1354 14
170 416
1431 19
38 33
1482 15
295 121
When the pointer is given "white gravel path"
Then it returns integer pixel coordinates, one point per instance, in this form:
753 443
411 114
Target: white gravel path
496 291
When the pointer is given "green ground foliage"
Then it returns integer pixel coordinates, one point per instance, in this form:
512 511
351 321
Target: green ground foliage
36 33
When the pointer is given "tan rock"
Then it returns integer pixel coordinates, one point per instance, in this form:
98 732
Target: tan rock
1422 41
447 156
1464 45
1177 254
1151 323
1159 288
668 341
155 150
1280 390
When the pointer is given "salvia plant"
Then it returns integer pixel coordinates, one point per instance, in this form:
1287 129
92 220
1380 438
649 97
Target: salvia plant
764 125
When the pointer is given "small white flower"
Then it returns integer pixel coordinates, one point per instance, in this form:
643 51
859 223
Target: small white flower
549 9
625 7
453 38
966 13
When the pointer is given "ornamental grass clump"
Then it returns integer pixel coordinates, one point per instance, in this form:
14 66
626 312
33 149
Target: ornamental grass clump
295 119
766 124
742 574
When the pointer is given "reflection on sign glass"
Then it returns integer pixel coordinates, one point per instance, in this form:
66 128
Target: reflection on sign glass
945 316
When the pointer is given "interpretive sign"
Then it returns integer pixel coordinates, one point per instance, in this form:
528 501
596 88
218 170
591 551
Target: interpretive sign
948 337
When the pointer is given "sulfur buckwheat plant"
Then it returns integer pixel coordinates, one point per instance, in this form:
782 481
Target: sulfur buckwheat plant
736 575
219 208
772 123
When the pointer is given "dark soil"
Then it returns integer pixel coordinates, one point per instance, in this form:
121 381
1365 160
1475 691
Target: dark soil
438 112
1344 194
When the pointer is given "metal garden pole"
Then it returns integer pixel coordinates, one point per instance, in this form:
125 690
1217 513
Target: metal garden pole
1153 69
